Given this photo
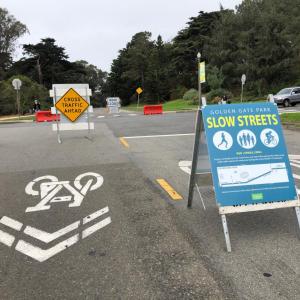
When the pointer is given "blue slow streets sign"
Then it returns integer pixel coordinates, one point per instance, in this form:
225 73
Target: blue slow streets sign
248 155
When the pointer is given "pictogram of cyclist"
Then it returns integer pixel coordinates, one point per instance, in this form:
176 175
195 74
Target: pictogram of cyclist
270 139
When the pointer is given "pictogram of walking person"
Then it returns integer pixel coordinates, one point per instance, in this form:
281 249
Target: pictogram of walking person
223 141
244 140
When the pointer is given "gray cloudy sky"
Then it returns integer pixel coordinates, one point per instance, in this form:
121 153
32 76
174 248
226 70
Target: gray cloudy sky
95 30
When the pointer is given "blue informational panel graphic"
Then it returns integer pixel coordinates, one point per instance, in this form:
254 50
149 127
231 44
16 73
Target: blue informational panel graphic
248 155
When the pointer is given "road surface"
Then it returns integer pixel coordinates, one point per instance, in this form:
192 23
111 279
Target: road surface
122 236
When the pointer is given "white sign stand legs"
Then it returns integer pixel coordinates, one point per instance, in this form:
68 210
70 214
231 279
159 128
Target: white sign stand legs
226 233
56 118
297 210
88 117
200 196
255 207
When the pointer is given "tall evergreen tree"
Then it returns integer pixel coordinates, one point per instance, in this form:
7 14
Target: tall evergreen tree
10 31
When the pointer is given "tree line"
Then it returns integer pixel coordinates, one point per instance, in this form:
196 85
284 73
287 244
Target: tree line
259 38
41 65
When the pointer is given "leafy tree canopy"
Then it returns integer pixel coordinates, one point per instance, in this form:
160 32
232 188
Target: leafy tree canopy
10 31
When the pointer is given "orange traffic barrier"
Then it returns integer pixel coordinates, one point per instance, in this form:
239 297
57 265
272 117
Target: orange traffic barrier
46 116
153 109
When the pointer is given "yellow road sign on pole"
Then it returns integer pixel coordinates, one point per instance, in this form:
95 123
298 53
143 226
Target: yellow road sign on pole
139 90
72 105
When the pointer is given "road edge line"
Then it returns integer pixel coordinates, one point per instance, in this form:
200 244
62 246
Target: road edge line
169 189
124 142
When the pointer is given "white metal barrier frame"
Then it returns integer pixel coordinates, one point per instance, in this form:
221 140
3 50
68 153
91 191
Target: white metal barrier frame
83 122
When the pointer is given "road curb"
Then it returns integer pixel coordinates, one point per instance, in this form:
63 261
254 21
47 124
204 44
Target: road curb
16 122
290 127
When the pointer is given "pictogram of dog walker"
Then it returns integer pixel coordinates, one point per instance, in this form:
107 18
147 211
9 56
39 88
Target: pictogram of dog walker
48 187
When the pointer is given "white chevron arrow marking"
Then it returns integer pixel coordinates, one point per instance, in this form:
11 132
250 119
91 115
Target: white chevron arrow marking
16 225
49 237
95 215
6 238
87 232
42 255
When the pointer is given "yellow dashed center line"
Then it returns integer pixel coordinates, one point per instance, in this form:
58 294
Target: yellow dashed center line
173 194
124 142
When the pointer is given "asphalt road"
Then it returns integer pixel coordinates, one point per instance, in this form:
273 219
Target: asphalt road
128 239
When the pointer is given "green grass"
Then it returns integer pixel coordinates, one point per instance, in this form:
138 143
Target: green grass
291 118
174 105
248 99
179 104
182 105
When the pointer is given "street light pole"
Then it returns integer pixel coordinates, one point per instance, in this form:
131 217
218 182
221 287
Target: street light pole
198 130
199 81
243 80
17 83
18 102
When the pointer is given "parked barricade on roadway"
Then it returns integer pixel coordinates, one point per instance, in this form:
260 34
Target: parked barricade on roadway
46 116
153 109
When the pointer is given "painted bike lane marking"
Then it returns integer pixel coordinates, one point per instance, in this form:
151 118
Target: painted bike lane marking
47 188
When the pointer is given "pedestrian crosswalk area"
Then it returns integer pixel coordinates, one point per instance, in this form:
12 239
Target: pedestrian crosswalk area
295 164
117 115
287 111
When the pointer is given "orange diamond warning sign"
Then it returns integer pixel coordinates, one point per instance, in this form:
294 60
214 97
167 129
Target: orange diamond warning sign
72 105
139 90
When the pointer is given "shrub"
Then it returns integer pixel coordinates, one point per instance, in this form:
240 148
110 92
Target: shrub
30 90
191 95
178 92
215 95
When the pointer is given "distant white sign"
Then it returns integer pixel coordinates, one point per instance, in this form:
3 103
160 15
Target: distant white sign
113 104
243 79
17 83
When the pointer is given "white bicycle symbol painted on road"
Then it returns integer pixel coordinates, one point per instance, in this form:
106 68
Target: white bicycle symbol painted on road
48 187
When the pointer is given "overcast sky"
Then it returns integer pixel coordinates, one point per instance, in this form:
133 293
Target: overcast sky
95 30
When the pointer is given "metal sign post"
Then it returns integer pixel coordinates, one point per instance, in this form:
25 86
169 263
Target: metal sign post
199 77
56 119
243 80
139 90
88 116
17 83
198 130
